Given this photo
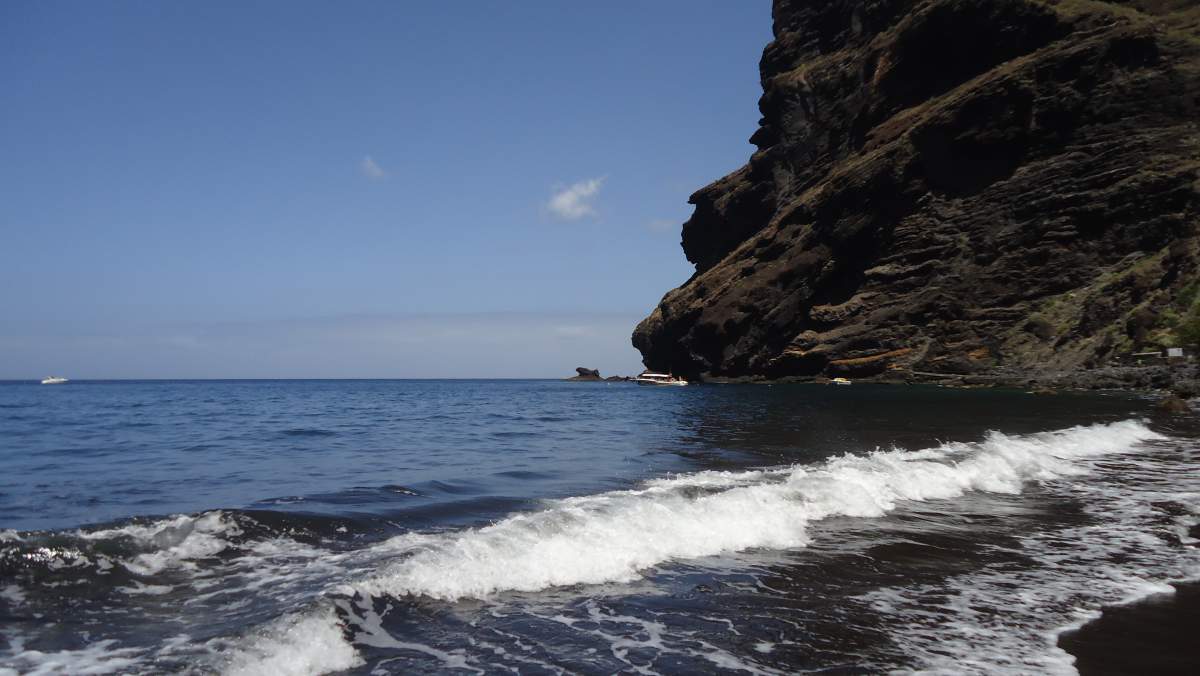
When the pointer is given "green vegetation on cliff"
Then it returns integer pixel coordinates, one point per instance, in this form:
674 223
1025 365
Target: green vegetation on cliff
952 186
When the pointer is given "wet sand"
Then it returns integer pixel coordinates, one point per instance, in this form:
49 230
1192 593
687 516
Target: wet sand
1158 635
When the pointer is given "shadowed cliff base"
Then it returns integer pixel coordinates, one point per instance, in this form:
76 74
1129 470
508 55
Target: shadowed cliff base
953 187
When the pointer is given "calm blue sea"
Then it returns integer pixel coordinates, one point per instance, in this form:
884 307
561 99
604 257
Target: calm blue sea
392 526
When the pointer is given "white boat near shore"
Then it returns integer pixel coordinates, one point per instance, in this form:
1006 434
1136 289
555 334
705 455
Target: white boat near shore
53 380
659 379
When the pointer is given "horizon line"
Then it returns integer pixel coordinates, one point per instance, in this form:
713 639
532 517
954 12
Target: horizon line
99 380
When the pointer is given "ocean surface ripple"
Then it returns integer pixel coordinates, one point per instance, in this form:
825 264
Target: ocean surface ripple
543 527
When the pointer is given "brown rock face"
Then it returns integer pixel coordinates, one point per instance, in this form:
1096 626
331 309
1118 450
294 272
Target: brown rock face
952 186
585 373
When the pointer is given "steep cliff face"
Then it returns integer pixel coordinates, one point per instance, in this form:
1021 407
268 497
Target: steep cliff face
949 186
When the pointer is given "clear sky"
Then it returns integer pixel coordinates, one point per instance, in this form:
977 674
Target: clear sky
356 189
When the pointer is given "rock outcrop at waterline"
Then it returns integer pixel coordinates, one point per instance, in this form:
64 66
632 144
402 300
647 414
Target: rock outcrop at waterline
950 186
583 373
587 375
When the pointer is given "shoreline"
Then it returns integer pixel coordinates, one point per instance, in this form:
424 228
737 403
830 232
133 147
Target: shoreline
1183 380
1154 634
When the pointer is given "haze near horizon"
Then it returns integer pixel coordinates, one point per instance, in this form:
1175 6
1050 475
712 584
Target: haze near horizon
376 190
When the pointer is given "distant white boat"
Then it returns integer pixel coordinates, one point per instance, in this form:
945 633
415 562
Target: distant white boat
659 379
53 380
839 381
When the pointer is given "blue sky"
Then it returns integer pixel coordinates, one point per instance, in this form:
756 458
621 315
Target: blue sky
271 189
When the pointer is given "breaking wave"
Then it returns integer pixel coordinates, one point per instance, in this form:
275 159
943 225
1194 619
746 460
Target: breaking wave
611 537
327 603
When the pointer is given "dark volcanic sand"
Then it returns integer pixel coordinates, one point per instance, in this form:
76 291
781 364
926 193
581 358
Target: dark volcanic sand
1158 635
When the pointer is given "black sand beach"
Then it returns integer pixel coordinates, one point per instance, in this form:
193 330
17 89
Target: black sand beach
1158 635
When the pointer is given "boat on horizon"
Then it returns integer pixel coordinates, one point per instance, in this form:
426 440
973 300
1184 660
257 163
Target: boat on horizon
659 379
839 381
53 380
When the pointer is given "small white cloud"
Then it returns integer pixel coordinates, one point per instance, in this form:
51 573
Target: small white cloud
370 169
662 224
575 201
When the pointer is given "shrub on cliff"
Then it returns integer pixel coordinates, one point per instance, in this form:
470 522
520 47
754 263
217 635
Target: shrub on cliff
1188 329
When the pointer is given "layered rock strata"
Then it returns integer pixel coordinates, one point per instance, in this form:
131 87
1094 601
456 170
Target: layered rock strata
949 187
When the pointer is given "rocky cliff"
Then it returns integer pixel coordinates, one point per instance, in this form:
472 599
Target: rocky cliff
950 186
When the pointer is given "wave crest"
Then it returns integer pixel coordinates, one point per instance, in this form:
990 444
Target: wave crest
612 537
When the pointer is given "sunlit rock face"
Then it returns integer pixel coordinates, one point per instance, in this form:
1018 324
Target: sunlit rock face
949 186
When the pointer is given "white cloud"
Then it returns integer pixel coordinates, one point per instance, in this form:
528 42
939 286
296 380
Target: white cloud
370 169
575 201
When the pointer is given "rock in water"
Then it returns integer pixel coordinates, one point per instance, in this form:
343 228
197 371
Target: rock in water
948 186
586 374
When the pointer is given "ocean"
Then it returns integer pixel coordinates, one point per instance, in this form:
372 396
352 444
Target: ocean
402 526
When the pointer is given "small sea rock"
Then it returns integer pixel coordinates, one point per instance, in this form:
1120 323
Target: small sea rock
586 374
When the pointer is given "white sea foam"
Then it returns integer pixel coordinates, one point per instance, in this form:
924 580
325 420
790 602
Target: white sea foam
176 542
626 634
612 537
139 589
303 643
368 630
1006 619
101 657
13 594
